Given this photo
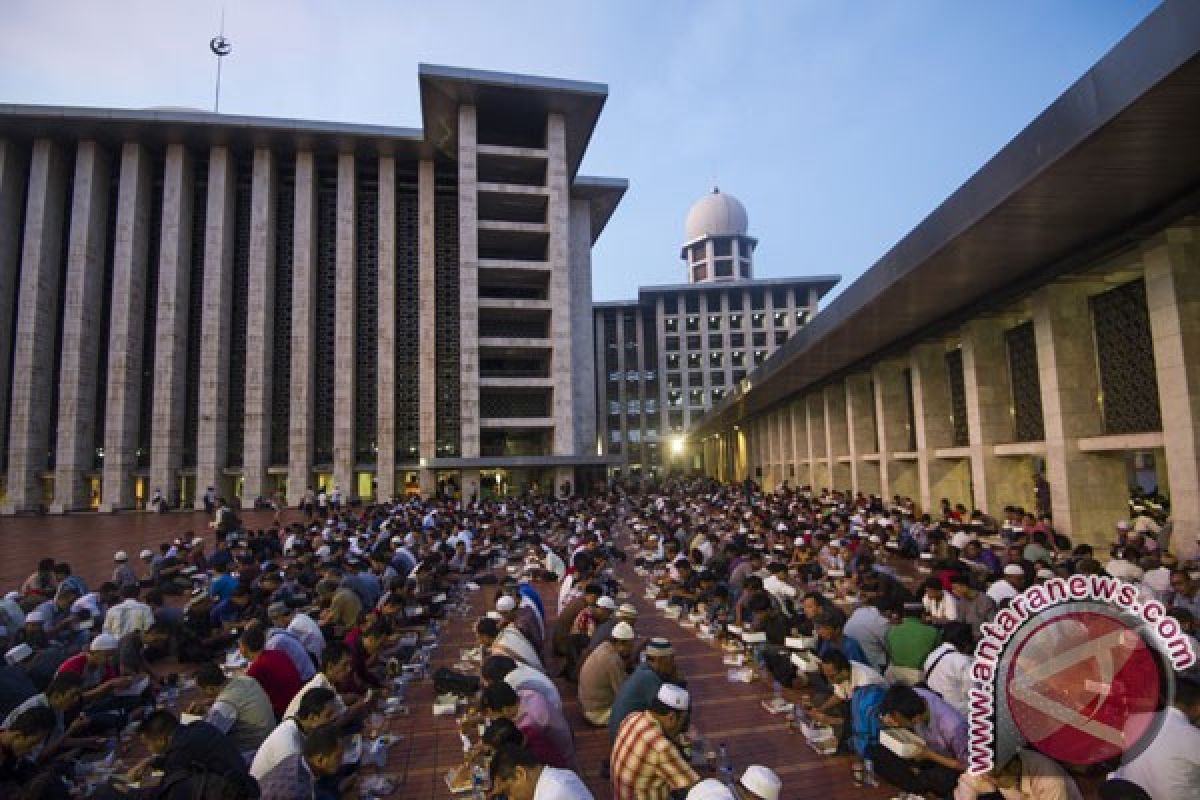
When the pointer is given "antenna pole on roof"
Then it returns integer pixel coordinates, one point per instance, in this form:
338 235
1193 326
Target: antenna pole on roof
220 47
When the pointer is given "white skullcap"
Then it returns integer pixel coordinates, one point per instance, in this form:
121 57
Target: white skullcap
120 555
1014 569
1044 574
13 596
506 603
761 782
710 789
18 654
607 602
623 631
104 642
494 615
147 553
197 542
798 541
874 539
1123 525
35 616
627 610
674 697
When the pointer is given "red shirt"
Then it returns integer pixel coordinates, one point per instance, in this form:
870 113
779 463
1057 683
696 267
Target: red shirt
275 672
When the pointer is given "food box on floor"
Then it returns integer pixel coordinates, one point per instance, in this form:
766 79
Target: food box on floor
820 738
901 741
800 642
806 662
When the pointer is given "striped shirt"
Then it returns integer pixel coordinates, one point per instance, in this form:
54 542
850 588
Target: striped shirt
646 765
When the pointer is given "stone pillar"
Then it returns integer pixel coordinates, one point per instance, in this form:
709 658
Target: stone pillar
171 328
580 335
558 209
260 326
123 406
468 280
345 354
818 442
37 317
212 419
385 425
1173 297
836 431
427 322
87 246
937 478
13 168
891 416
1088 492
989 397
800 450
861 433
301 432
470 484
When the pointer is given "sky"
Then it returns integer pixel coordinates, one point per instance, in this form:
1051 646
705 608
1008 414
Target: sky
840 124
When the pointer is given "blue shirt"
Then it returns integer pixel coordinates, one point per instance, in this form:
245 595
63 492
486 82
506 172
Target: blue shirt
528 591
848 647
223 587
636 694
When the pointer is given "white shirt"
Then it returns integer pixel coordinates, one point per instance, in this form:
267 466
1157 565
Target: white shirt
779 587
514 643
1125 570
951 676
1170 766
944 610
525 677
305 628
286 740
318 681
564 591
1000 591
127 616
560 784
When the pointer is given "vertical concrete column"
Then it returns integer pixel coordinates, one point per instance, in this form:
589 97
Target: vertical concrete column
1173 297
1088 492
171 328
800 454
123 406
996 480
789 442
468 280
385 425
937 478
892 419
78 378
260 326
602 383
819 439
346 323
301 431
427 322
860 426
37 316
558 219
212 419
836 430
13 169
583 372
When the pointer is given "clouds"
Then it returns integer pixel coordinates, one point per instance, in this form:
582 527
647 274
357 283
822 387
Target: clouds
839 125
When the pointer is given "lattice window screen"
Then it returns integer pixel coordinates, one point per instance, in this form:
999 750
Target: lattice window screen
1125 358
326 373
1025 383
449 413
366 335
407 322
958 398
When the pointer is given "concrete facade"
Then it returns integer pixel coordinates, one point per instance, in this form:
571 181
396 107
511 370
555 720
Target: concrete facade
236 277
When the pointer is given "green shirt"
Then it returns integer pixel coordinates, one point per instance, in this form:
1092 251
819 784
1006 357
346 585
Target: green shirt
910 642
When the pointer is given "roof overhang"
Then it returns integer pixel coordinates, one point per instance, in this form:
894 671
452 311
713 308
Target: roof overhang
1110 161
443 89
161 127
822 283
603 195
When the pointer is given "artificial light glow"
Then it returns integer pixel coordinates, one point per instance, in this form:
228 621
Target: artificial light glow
677 445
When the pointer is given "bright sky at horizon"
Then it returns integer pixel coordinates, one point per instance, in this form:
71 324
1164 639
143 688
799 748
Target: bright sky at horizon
840 125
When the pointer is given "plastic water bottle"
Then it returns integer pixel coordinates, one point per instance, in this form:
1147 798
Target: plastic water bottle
777 694
725 764
477 781
869 772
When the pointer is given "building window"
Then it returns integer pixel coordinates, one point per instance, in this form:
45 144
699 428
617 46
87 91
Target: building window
714 322
739 375
692 324
716 378
958 398
735 321
1024 384
692 303
738 358
695 378
717 394
735 301
671 324
696 398
780 337
715 360
715 341
745 269
694 342
759 357
759 339
801 318
910 411
779 298
737 340
670 304
723 267
672 343
1125 360
722 247
674 380
781 319
697 252
757 299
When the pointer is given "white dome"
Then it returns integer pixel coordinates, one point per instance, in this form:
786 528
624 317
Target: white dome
716 214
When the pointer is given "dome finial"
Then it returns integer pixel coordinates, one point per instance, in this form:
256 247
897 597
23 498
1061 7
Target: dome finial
716 189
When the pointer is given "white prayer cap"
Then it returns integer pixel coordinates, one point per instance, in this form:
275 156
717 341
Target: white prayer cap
710 789
104 642
120 555
506 603
607 602
1014 569
674 697
18 654
761 782
623 631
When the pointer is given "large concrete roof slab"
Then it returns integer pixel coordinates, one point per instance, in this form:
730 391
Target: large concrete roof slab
1112 158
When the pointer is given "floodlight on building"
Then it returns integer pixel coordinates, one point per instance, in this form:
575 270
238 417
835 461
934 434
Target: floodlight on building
677 445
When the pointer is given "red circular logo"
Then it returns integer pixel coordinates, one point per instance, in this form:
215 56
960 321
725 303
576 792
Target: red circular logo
1084 687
